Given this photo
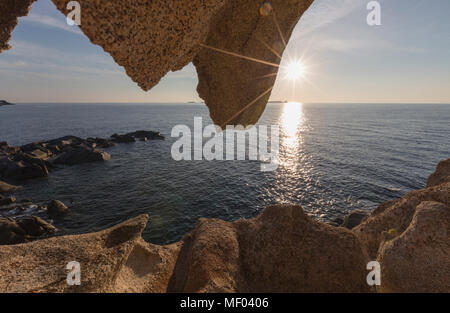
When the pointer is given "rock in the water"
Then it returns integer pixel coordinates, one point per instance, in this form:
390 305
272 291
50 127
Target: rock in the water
103 143
4 102
21 167
353 219
419 259
36 227
6 149
10 232
57 208
7 200
144 134
4 187
81 155
123 138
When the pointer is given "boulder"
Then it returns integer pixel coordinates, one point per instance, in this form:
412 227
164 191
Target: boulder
81 155
354 218
123 138
35 226
418 260
7 200
7 149
148 135
56 208
22 167
104 143
441 175
10 232
5 188
281 250
105 258
396 216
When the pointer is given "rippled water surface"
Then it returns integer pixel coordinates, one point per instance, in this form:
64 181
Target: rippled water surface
334 158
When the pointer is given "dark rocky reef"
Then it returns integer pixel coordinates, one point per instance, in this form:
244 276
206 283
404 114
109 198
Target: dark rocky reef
281 250
222 37
4 102
35 160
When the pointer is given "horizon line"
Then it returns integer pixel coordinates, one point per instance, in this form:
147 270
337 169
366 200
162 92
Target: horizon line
189 102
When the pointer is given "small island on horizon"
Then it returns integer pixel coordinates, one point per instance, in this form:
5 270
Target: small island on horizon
4 102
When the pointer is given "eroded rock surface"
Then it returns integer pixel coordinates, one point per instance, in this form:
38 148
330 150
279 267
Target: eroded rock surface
229 83
151 38
11 10
441 175
40 266
419 259
280 250
396 216
148 38
410 237
56 208
5 187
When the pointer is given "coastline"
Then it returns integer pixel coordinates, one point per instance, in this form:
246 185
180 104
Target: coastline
281 250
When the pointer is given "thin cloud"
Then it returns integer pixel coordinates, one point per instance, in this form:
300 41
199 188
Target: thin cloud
53 22
325 12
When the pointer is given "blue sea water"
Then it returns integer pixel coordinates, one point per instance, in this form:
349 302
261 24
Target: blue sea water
334 158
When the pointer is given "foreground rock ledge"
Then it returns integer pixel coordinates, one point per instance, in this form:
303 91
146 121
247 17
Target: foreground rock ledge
151 38
281 250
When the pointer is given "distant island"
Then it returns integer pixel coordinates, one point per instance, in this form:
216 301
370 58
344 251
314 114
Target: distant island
4 102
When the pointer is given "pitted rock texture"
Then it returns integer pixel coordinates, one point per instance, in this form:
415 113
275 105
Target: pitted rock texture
419 259
396 216
148 38
40 266
282 250
441 175
10 11
151 38
228 83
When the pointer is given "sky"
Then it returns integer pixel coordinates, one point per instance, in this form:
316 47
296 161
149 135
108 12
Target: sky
406 59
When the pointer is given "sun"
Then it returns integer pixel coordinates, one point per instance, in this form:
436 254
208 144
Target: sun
295 70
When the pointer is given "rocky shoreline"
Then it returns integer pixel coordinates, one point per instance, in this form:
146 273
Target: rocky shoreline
36 160
281 250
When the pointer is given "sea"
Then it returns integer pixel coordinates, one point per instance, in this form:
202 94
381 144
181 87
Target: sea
334 158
